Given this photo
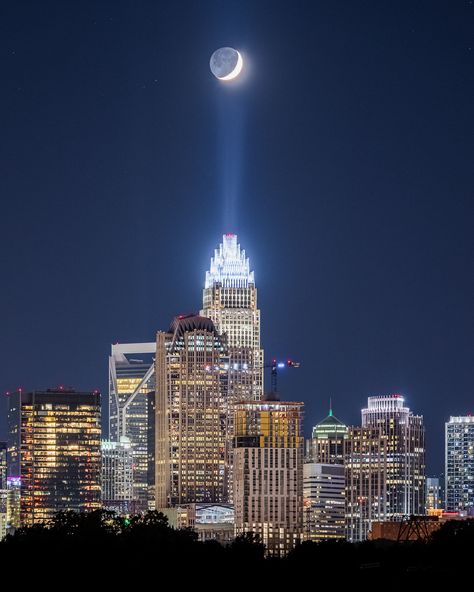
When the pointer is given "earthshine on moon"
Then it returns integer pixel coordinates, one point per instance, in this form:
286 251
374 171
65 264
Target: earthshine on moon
226 63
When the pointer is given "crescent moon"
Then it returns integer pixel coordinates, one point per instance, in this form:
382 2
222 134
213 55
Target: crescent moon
236 71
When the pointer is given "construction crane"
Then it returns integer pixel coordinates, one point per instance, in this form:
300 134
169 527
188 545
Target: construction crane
275 366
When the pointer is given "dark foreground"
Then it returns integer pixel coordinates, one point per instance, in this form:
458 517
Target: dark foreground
99 548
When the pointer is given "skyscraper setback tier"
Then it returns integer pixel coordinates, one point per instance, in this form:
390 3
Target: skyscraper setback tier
268 473
190 414
459 469
131 378
54 452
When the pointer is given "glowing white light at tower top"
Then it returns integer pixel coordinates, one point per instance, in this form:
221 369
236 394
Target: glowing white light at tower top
229 266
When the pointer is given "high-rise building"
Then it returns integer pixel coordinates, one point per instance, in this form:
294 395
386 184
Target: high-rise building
3 489
117 476
405 432
268 472
3 466
230 300
433 494
191 412
131 378
324 503
327 443
459 464
366 451
54 452
324 481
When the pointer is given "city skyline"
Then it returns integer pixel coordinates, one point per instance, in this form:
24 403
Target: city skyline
125 161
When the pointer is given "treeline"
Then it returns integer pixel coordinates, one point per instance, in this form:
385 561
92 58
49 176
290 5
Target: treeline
116 549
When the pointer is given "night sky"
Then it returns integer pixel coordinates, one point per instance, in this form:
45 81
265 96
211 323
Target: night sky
343 160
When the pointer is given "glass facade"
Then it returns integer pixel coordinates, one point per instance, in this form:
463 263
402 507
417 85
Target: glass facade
324 503
191 412
131 378
3 489
117 476
459 464
405 432
54 452
230 300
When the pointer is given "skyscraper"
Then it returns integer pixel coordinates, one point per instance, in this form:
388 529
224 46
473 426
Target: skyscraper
324 503
230 300
191 411
405 432
324 481
131 378
459 464
117 476
327 442
366 451
54 452
433 494
3 489
268 472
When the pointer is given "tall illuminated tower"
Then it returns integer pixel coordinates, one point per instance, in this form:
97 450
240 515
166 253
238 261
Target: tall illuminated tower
405 435
190 414
268 472
54 452
230 300
131 379
460 464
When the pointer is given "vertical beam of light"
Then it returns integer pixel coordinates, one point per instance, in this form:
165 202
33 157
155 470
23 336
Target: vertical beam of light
230 147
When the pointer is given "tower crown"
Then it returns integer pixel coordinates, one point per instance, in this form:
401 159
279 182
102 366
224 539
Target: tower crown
230 268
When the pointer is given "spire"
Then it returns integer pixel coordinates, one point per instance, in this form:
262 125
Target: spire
229 266
330 406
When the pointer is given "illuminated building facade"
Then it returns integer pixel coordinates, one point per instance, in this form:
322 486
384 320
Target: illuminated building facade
131 378
459 464
54 452
327 443
230 300
3 489
433 494
405 433
268 472
324 481
190 413
324 503
117 476
365 464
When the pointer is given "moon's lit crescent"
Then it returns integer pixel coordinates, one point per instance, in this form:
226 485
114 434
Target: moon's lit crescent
236 71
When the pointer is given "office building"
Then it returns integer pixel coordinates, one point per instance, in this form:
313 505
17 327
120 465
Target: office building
365 464
131 378
54 456
405 432
459 464
324 502
117 476
268 472
3 489
230 300
327 443
190 413
433 494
